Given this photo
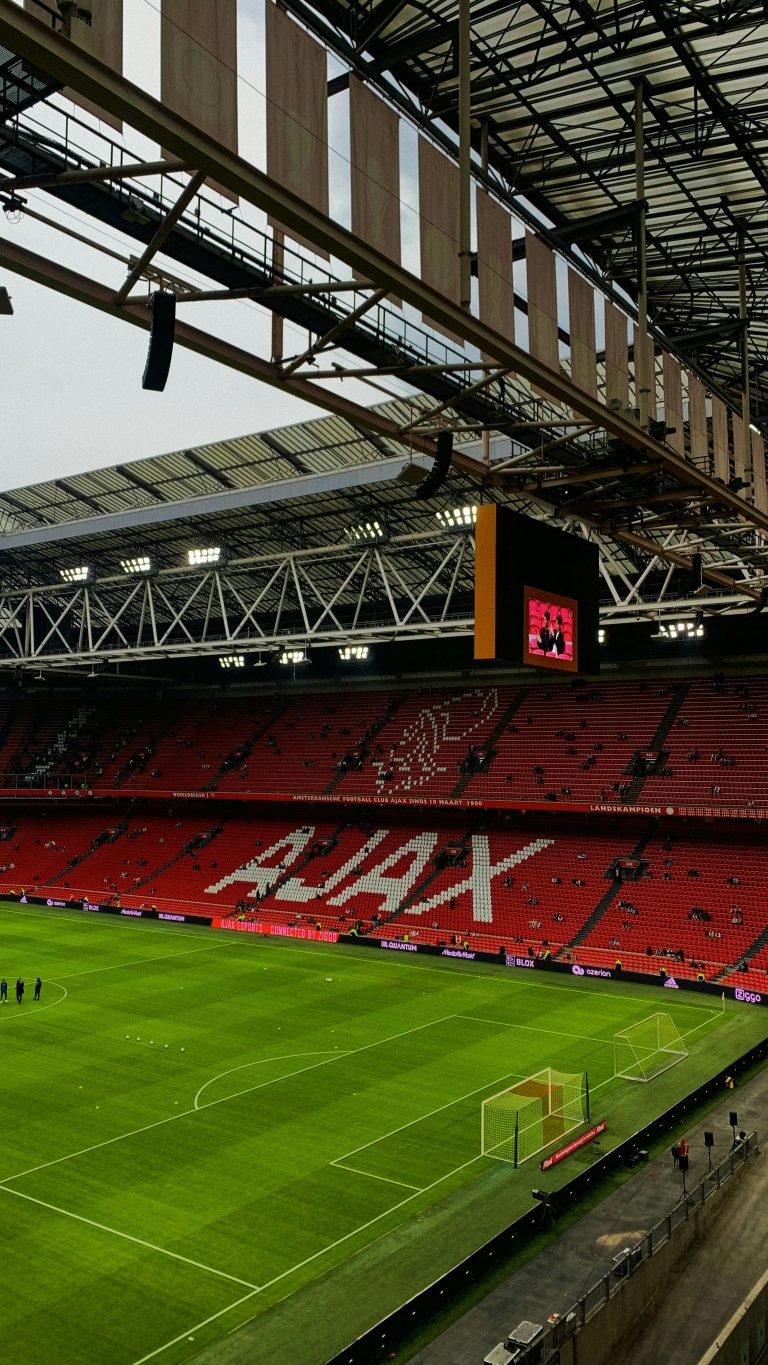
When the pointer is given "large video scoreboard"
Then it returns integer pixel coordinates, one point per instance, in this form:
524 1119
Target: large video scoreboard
536 593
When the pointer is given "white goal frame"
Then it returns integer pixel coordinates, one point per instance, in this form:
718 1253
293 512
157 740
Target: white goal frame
512 1122
648 1048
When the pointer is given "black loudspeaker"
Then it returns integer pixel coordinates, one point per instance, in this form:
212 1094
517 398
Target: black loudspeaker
694 581
160 341
683 1162
439 471
733 1119
709 1139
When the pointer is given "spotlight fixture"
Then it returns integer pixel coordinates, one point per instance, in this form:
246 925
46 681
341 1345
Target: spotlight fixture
354 653
211 554
365 530
79 573
294 656
601 635
680 630
136 564
231 661
457 518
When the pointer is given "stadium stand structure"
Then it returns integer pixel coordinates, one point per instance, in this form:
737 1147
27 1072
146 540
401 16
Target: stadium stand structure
694 744
643 892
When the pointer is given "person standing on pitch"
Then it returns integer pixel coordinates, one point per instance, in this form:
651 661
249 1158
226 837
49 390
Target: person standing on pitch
3 992
38 988
19 991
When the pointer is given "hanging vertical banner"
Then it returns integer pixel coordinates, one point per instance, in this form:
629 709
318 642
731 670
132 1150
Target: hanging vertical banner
650 375
737 427
439 225
542 302
720 439
103 39
494 265
673 402
697 423
198 68
375 171
581 309
616 368
760 495
297 114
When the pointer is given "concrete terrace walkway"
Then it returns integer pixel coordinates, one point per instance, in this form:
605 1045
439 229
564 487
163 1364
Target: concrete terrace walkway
707 1290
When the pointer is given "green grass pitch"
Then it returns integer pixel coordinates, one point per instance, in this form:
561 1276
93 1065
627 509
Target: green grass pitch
203 1130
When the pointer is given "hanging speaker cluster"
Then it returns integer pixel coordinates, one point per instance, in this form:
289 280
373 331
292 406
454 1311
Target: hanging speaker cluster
439 471
160 341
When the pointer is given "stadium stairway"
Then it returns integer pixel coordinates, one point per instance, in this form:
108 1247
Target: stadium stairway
657 740
414 896
320 847
242 752
371 734
747 956
108 835
613 890
192 846
491 739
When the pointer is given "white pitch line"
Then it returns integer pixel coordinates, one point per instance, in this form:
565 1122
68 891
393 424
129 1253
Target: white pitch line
36 1009
128 1237
529 1028
508 1076
186 1113
140 961
307 1261
283 1057
406 1185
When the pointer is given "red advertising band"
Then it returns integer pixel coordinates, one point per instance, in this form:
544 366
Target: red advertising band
580 1141
436 802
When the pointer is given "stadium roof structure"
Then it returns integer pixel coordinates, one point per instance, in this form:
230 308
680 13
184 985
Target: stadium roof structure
557 93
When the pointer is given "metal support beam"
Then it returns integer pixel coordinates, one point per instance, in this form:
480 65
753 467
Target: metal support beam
339 328
746 453
161 236
465 182
642 379
135 171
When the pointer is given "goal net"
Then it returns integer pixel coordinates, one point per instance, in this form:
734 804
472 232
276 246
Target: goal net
645 1050
517 1123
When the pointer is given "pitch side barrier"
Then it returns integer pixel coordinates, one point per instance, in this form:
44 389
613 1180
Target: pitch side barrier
575 970
384 1340
578 973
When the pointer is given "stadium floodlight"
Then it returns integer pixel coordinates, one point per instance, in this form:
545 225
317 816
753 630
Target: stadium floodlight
231 661
294 656
365 530
136 564
354 653
75 573
601 636
517 1123
211 554
646 1049
457 518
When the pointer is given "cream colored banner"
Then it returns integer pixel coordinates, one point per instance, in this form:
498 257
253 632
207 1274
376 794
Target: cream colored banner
439 224
737 427
673 402
542 302
720 439
297 113
198 68
494 265
616 370
375 170
649 377
581 308
103 39
758 466
697 422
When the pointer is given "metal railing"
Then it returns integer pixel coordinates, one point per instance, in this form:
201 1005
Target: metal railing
626 1263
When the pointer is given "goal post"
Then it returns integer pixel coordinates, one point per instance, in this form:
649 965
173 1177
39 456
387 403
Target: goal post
648 1048
518 1122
